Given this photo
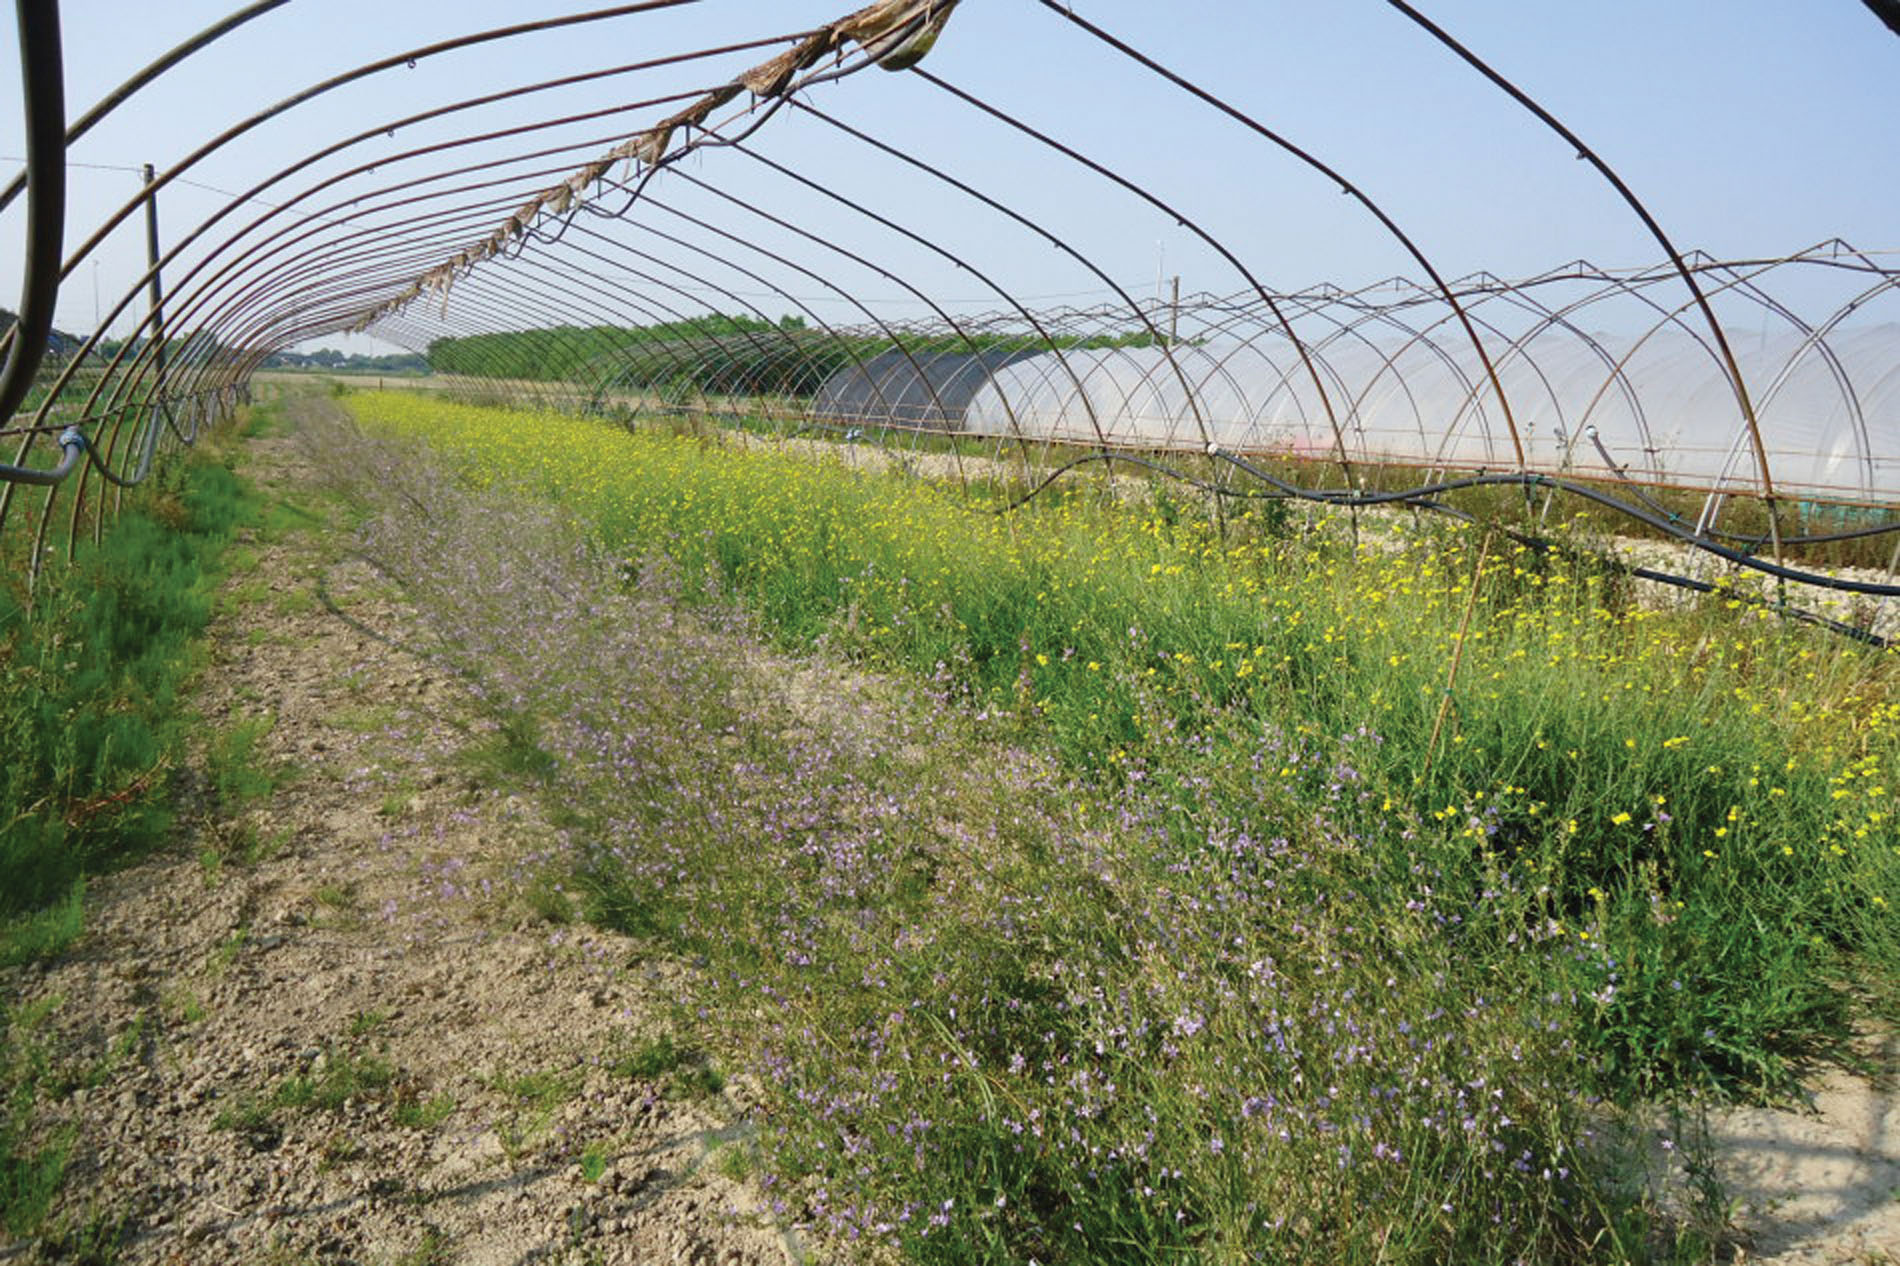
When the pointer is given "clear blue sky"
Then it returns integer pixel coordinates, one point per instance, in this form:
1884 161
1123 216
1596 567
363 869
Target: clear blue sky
1755 127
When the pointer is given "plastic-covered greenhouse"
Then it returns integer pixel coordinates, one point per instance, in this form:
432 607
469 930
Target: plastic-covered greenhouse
1658 410
910 388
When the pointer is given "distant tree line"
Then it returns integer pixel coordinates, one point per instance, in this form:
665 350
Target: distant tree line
199 348
714 355
333 361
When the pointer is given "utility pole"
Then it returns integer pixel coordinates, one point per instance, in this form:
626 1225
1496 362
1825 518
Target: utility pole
1174 314
157 287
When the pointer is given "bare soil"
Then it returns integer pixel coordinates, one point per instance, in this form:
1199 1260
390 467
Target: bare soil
1820 1187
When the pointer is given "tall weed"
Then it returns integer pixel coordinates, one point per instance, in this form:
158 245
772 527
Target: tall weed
1699 793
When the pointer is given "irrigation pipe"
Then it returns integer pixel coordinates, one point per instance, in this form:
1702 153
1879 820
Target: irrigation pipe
1423 498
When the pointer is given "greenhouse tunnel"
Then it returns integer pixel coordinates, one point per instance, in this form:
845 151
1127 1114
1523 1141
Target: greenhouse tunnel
903 389
766 632
1655 411
804 221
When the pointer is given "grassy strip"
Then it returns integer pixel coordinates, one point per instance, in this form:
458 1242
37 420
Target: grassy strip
994 1017
90 677
1700 793
91 725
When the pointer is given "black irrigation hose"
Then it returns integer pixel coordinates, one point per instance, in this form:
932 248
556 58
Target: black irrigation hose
1544 545
1821 538
72 445
1423 499
1423 493
1528 479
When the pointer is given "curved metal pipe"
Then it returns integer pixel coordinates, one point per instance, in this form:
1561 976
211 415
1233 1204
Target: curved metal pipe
43 85
118 96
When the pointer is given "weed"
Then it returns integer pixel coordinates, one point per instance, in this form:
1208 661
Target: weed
339 1147
296 601
536 1096
511 754
98 1239
334 1080
364 718
423 1114
126 1044
594 1160
697 1081
283 1253
650 1059
542 1091
249 594
399 802
683 1070
337 896
364 1023
227 951
433 1249
547 898
236 770
30 1177
735 1161
254 1117
185 1007
45 933
262 848
337 1078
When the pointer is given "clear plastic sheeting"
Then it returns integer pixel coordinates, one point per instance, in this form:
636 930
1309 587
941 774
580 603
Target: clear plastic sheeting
1656 410
910 388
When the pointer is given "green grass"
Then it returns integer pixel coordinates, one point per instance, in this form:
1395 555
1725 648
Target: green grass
344 1076
93 666
90 681
32 1164
338 1078
433 1248
542 1091
238 773
46 932
423 1114
681 1069
227 951
363 1023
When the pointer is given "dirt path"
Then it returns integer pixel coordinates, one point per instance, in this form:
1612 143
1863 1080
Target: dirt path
352 1027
